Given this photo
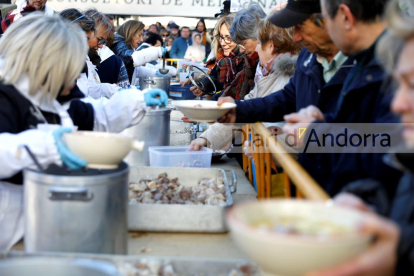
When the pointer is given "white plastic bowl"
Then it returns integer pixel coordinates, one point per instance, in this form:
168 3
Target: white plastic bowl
292 255
203 111
101 150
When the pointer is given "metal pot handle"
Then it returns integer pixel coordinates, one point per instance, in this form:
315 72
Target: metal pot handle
71 194
150 81
233 186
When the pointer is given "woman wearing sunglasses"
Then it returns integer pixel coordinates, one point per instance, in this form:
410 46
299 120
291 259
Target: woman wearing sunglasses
89 81
164 33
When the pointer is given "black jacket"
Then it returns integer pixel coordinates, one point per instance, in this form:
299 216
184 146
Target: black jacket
363 99
400 208
306 87
17 114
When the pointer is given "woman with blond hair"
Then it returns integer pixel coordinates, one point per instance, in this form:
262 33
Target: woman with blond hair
278 55
127 40
227 62
36 90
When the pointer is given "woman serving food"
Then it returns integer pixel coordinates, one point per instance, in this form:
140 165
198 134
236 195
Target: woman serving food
36 90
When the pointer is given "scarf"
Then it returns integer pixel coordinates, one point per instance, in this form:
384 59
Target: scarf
264 71
244 81
226 66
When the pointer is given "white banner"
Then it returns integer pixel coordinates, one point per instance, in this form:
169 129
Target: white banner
187 8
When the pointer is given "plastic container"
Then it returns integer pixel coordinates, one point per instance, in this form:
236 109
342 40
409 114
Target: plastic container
180 157
181 93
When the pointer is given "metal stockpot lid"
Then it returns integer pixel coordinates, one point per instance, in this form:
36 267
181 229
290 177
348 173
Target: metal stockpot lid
158 111
197 74
58 175
156 78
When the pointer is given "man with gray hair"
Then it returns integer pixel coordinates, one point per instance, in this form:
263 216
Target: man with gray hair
355 27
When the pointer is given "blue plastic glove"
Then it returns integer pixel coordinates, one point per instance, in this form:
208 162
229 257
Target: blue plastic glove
68 158
163 51
150 99
159 74
138 87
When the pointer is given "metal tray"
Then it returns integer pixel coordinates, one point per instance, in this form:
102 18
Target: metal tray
182 266
180 218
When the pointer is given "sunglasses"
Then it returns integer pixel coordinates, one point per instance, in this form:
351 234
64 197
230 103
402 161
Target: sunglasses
102 41
164 35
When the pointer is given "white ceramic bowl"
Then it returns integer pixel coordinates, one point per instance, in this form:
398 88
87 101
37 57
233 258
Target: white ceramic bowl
203 111
101 150
288 254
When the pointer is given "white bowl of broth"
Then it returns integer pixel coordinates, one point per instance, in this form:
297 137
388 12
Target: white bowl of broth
292 237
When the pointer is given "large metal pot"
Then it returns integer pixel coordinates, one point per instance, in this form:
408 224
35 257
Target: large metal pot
154 130
42 266
78 211
162 82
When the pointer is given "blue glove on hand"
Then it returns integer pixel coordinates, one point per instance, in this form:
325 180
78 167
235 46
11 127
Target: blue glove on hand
150 99
163 51
159 74
68 158
138 87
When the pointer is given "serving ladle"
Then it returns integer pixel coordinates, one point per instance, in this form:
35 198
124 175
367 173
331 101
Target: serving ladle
163 70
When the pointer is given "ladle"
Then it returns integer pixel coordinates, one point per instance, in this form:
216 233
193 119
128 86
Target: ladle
163 70
34 158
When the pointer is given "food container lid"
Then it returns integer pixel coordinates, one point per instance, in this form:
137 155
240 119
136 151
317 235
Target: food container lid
179 150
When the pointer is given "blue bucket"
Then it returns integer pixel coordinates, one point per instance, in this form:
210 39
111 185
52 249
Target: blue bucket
181 93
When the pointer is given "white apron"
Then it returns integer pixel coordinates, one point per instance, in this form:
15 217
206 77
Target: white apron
11 196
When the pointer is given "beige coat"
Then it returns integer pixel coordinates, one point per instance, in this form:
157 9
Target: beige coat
219 135
196 52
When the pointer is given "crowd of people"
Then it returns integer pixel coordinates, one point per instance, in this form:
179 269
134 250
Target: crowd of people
181 42
353 68
308 62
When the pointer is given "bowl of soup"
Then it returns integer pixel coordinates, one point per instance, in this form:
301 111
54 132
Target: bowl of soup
294 237
203 111
101 150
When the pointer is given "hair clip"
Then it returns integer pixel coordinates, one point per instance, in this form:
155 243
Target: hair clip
82 16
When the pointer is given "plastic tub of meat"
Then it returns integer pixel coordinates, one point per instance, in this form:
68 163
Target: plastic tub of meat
181 156
179 199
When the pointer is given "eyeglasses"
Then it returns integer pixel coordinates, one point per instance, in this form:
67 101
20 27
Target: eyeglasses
102 41
242 46
226 40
